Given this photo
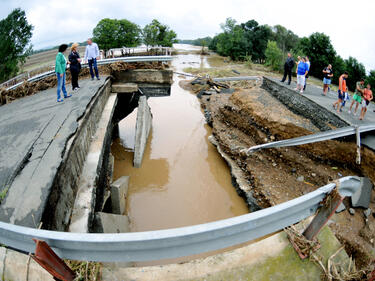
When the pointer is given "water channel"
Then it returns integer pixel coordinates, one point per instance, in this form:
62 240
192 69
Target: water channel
183 180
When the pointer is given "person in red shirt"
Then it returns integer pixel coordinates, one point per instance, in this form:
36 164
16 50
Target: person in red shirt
367 97
341 91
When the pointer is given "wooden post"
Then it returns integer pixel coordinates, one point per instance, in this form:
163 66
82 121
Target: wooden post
330 203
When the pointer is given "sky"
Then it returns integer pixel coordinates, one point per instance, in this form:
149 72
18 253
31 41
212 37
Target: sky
349 24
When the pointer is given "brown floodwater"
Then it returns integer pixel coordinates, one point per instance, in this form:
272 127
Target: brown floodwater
183 180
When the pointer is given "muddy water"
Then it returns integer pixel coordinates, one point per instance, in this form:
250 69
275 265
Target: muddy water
183 180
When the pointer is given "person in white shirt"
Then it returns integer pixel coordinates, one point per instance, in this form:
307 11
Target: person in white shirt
91 55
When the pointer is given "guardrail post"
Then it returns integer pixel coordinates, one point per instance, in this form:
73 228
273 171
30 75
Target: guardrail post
330 203
47 259
358 137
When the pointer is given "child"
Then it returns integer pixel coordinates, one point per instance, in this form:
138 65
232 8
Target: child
341 91
367 97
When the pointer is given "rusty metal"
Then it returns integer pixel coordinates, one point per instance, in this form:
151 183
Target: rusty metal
47 259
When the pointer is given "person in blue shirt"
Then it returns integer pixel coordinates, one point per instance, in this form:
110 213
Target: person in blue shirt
91 55
302 70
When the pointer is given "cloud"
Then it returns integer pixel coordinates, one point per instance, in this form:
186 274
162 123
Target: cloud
349 24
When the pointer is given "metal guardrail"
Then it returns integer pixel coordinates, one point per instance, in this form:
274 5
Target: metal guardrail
172 243
322 136
99 62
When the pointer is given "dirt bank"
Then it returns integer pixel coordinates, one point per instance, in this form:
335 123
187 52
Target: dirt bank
253 116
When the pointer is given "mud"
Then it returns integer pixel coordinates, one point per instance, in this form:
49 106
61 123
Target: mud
28 89
254 116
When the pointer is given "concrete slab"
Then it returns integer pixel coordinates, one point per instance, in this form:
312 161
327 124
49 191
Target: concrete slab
119 190
35 131
124 88
142 130
363 196
111 223
153 76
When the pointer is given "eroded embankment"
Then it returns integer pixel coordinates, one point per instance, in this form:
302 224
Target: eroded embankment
253 116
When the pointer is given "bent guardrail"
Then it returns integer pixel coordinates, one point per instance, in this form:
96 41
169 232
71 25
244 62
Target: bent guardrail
172 243
99 62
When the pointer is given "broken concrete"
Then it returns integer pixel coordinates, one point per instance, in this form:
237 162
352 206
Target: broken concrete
124 88
363 196
341 208
142 130
119 190
111 223
151 76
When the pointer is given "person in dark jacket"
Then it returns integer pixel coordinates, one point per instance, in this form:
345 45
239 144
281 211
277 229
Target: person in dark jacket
75 66
288 66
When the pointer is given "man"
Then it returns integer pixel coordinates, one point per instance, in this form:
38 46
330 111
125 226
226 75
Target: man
328 74
301 75
91 55
288 66
341 91
367 97
308 69
357 98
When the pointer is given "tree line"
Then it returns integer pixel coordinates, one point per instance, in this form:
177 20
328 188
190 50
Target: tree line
270 44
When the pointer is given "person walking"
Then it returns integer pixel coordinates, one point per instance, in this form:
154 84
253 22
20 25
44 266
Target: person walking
341 91
301 73
75 65
367 97
60 69
357 97
91 55
308 70
328 74
288 66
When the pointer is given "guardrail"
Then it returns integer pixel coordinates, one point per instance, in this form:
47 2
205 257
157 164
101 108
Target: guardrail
99 62
322 136
172 243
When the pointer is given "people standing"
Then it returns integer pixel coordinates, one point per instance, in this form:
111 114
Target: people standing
367 97
328 74
75 65
308 70
288 66
301 73
357 97
60 69
91 56
341 91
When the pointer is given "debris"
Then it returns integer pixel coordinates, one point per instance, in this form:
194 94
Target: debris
313 174
362 197
294 170
235 71
341 208
367 212
351 211
301 178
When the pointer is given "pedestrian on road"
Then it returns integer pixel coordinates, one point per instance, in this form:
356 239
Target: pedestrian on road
367 97
288 66
60 69
308 69
301 75
341 91
91 56
357 97
328 74
75 65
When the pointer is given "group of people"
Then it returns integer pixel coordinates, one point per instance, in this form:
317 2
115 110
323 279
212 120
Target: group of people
74 61
362 96
302 71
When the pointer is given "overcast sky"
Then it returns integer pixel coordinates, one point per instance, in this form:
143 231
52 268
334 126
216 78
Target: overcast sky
350 24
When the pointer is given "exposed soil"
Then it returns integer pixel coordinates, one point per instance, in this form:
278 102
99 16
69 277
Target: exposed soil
28 89
252 116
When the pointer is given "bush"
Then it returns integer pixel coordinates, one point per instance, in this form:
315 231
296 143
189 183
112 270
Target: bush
274 56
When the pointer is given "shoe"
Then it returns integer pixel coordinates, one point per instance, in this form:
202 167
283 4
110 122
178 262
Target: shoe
281 81
288 83
98 78
60 100
301 91
92 78
76 89
68 96
355 113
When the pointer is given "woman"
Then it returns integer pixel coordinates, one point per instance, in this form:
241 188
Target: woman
75 66
301 75
60 68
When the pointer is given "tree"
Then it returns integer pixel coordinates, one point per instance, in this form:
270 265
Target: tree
256 37
355 70
338 67
15 35
158 34
286 39
113 33
371 79
319 49
274 56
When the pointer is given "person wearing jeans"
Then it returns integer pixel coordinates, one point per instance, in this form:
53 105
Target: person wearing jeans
60 69
91 55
